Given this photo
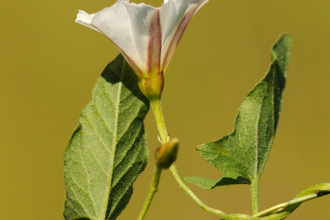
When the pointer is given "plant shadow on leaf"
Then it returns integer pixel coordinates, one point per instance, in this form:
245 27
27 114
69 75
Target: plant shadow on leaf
120 71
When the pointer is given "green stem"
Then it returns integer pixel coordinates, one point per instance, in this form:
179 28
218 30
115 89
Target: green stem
152 190
192 195
159 117
255 196
158 113
280 207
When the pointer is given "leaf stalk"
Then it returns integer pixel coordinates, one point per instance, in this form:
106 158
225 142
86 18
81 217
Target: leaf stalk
255 196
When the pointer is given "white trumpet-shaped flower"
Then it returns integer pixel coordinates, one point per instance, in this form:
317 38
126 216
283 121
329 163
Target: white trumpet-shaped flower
146 36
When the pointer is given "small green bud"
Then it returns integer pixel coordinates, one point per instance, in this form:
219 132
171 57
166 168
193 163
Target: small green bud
166 154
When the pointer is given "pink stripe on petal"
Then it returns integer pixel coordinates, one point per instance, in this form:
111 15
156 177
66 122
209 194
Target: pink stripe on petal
154 44
178 34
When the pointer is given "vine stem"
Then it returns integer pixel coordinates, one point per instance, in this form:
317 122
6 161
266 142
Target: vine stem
193 196
280 207
255 196
152 190
159 117
160 122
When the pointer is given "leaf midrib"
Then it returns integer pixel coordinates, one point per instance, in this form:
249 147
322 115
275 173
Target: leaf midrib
112 155
257 140
256 144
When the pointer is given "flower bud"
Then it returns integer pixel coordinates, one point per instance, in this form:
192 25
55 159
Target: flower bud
166 154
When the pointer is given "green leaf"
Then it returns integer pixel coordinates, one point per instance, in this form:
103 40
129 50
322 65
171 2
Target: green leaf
108 149
281 211
244 152
208 184
317 190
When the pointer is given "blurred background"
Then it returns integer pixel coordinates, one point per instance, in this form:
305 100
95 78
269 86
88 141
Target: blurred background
49 65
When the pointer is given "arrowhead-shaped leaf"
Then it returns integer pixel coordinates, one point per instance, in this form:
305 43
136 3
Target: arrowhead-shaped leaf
244 152
108 149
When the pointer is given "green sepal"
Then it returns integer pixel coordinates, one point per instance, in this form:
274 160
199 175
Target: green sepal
167 153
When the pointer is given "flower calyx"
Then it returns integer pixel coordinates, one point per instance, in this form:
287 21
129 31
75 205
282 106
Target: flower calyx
166 154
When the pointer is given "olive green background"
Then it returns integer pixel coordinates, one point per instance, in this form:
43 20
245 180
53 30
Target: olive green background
49 64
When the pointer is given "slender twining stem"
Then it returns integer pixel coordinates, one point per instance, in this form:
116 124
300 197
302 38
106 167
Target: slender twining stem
255 196
280 207
152 190
192 195
159 117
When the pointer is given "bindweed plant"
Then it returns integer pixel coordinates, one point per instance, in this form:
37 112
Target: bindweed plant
108 149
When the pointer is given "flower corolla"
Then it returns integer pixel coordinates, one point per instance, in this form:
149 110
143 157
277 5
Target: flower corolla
146 36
